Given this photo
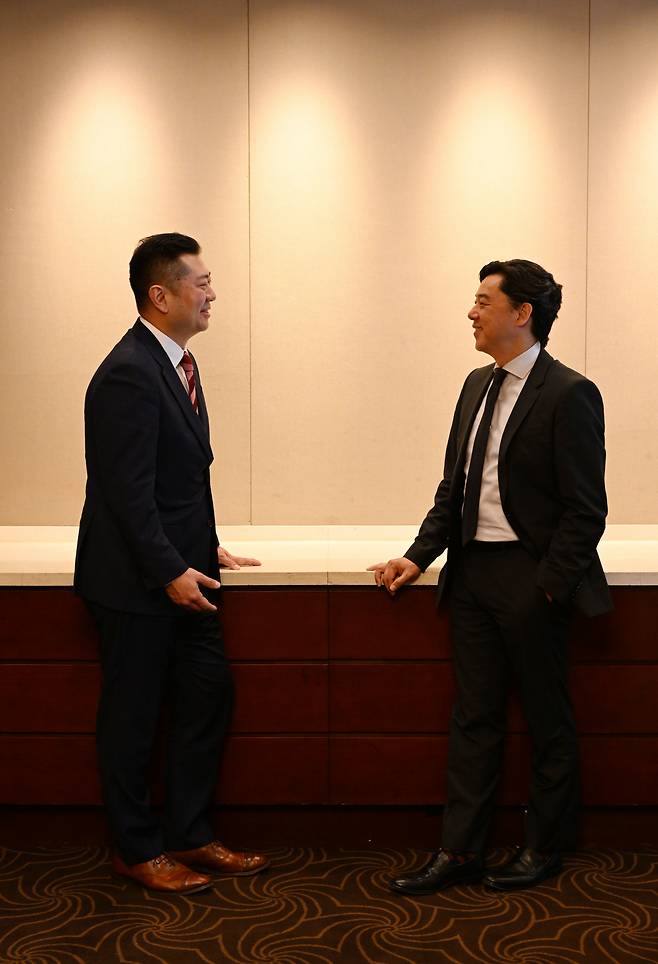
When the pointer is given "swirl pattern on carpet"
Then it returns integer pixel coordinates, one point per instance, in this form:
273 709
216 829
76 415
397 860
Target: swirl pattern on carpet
321 907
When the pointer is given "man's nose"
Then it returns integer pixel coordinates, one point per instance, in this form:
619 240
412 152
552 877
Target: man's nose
210 294
473 314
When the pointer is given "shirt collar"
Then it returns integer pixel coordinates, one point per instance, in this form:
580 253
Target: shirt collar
521 366
173 349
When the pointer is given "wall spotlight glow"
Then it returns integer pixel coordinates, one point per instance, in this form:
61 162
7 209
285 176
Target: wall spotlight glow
99 147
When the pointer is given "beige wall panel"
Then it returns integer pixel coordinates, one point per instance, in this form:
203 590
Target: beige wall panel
622 339
395 148
118 121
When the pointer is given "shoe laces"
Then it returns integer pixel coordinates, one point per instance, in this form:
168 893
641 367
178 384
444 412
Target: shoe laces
164 860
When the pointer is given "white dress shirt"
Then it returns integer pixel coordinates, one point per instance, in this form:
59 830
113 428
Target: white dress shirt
172 348
493 525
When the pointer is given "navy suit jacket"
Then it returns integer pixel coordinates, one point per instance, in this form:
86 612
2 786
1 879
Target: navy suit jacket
148 512
551 477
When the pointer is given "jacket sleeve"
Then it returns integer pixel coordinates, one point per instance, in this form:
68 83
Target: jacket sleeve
579 448
123 416
434 532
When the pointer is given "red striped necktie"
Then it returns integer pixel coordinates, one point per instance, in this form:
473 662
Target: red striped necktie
188 368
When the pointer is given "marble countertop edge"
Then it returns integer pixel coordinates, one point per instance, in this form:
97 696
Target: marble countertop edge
304 555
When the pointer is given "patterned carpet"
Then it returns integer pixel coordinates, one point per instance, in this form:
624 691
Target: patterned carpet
320 907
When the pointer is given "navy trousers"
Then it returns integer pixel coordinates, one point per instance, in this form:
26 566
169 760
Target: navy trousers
177 662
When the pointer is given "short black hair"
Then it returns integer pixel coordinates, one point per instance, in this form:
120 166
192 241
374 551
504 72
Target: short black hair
155 260
525 281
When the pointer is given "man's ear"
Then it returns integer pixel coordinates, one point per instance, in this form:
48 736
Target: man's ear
525 312
158 298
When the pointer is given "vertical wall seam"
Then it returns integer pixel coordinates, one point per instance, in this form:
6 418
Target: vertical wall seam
587 177
249 294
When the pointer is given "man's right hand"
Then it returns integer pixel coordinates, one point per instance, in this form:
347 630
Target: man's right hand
184 591
395 573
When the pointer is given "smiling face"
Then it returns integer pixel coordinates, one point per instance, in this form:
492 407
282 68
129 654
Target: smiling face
182 304
500 329
189 298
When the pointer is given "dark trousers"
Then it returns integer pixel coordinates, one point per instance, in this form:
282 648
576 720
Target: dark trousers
504 628
146 661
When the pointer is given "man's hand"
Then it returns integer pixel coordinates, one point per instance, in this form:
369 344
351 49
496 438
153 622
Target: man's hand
228 561
395 573
184 591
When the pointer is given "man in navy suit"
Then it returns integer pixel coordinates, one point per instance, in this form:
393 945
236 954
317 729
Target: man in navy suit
147 564
521 508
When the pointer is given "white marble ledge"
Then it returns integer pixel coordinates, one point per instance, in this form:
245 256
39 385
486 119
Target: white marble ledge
304 555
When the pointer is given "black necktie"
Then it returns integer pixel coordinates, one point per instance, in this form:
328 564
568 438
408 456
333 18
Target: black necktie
474 478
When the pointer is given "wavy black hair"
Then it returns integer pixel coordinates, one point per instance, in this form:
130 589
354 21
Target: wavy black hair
525 281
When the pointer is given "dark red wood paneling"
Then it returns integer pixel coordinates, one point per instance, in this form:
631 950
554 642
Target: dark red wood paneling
360 828
265 770
389 770
418 697
390 697
410 770
280 698
626 634
381 700
377 770
62 698
615 699
365 698
607 699
370 624
45 624
49 770
49 697
268 624
274 770
275 624
619 771
366 624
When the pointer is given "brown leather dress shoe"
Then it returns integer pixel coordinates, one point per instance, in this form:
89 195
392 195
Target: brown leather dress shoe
162 873
215 856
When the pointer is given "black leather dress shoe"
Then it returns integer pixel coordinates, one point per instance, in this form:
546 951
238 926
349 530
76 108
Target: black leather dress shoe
526 869
443 870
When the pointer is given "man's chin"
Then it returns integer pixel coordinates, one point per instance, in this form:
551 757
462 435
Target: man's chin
483 347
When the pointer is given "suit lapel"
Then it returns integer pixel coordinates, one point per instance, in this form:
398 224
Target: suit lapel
197 423
525 401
